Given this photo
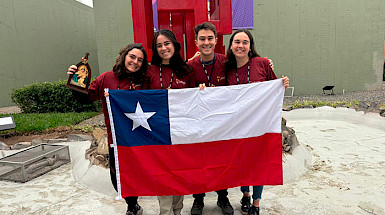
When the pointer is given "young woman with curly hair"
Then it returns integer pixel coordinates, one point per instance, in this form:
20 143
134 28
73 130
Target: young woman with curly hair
127 74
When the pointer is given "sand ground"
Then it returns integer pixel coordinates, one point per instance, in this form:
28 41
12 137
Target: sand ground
346 176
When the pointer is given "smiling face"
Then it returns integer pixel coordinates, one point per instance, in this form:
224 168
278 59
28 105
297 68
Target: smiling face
134 60
165 48
241 46
206 42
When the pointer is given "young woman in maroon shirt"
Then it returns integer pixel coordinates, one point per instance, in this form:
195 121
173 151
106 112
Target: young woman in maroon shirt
245 66
168 71
127 74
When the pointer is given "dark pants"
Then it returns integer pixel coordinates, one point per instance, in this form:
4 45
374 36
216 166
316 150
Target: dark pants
221 194
131 200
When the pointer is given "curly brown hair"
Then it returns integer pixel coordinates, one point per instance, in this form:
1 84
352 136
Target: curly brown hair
120 69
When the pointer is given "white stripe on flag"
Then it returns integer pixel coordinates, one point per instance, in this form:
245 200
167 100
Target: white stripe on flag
224 113
113 133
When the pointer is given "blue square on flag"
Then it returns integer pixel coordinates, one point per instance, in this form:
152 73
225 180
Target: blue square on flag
140 119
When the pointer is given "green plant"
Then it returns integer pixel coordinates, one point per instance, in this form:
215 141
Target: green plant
84 128
48 97
306 103
32 123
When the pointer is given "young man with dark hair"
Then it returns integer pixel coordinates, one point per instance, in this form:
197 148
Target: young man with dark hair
209 70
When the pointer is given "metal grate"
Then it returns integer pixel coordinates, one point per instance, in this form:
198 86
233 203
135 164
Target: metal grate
33 162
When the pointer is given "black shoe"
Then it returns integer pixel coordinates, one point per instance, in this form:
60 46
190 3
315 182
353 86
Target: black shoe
254 210
136 211
245 204
225 205
197 207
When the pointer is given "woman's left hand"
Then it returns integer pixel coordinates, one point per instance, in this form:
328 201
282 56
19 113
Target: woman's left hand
197 54
285 81
106 94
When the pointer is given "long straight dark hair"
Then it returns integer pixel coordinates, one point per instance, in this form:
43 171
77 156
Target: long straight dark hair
231 62
177 64
120 69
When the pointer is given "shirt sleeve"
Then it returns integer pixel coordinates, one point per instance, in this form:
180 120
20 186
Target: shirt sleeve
270 75
94 91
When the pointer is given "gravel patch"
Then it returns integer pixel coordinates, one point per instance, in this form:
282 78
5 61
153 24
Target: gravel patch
374 96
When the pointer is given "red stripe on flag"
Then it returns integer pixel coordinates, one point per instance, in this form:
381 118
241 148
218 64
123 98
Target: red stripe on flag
202 167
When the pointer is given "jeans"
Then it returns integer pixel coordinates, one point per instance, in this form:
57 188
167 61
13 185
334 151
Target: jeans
257 191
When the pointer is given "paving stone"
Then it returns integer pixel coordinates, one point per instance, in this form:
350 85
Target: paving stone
287 108
90 152
61 140
38 141
103 145
21 145
79 137
98 133
308 106
3 146
285 134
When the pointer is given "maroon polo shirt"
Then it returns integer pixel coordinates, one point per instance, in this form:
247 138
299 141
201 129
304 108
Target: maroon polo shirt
217 75
260 70
152 79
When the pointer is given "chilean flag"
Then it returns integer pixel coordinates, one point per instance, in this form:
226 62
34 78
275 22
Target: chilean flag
186 141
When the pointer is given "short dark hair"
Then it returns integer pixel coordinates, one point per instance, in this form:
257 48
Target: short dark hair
231 62
120 69
205 26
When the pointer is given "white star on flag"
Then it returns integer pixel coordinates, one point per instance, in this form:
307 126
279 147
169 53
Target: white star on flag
139 118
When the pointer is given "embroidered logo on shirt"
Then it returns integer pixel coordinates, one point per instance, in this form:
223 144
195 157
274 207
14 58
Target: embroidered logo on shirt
179 81
219 78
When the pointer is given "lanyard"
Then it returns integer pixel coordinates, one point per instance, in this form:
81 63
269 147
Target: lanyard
248 74
131 84
212 69
161 79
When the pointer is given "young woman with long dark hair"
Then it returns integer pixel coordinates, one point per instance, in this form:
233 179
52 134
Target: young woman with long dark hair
168 71
244 66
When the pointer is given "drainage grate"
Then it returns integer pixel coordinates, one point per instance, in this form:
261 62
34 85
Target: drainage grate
33 162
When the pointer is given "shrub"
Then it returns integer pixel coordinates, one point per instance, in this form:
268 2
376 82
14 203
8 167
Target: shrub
49 97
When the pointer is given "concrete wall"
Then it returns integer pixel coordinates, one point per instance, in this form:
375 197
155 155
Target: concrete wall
40 39
113 20
314 42
323 42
